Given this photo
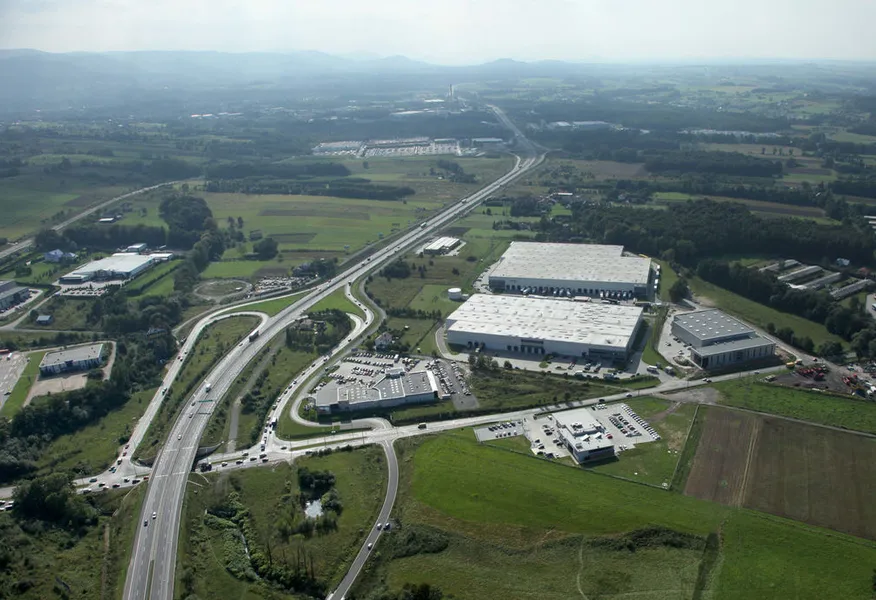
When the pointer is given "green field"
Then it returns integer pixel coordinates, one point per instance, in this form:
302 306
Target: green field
760 314
508 390
814 407
338 301
433 296
768 557
270 497
440 273
653 462
483 522
15 401
158 281
414 332
246 269
29 204
70 314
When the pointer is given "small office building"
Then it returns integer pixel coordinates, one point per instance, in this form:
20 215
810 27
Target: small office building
585 440
79 358
12 294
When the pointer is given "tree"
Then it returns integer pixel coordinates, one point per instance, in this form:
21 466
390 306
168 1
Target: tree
679 290
52 498
830 349
266 248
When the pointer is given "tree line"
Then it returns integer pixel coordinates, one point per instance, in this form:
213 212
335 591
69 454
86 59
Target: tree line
691 231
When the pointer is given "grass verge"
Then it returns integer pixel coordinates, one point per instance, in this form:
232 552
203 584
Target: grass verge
19 393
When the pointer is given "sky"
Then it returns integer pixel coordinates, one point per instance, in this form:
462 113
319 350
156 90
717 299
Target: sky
455 31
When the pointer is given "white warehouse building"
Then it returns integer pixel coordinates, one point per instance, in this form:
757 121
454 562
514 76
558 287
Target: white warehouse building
545 326
570 269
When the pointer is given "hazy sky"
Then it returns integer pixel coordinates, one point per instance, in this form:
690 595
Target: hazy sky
454 31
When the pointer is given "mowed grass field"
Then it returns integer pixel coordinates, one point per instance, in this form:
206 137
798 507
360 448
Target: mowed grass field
485 522
320 222
815 407
811 474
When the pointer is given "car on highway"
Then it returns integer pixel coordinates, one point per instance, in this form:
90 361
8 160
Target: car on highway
629 395
179 437
154 515
145 522
370 545
379 525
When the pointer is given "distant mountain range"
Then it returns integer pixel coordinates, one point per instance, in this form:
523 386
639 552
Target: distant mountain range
31 79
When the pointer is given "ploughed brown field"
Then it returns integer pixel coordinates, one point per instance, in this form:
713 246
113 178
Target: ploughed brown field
813 474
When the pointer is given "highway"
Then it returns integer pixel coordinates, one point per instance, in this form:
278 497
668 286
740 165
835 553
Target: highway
27 243
151 570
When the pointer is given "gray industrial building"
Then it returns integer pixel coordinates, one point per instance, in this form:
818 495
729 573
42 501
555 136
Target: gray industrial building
79 358
570 269
12 294
545 326
717 340
442 245
395 388
122 265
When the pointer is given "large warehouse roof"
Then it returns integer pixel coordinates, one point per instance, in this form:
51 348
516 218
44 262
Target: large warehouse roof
121 262
571 262
710 325
523 317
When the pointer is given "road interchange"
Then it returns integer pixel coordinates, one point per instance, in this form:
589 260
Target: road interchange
151 570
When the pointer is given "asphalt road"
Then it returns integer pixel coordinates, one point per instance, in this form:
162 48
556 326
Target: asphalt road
151 571
27 243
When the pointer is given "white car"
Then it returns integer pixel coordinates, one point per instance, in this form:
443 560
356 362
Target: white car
380 525
154 515
370 545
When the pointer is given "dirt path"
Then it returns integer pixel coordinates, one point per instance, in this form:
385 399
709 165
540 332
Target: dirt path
752 444
656 418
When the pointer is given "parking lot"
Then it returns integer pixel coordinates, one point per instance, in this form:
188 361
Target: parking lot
499 431
11 367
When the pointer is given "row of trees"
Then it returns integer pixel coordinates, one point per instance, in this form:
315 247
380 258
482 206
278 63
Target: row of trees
343 188
692 231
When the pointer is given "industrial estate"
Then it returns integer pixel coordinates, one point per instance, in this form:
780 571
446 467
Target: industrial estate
347 331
